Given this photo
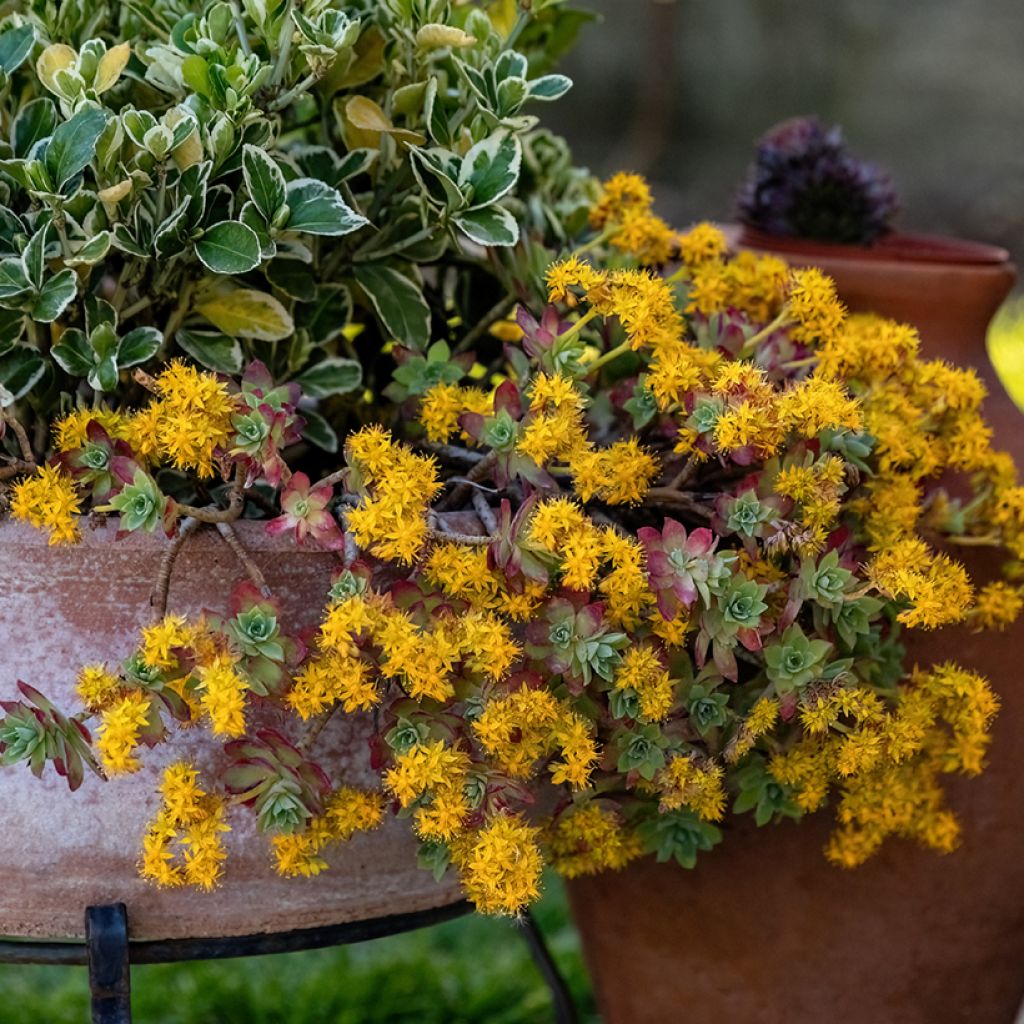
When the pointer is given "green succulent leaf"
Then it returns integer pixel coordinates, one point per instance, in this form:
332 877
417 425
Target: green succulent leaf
20 371
34 121
139 346
490 170
15 45
73 145
319 432
549 87
73 353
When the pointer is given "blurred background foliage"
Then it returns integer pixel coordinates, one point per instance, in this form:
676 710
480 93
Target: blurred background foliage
468 971
679 90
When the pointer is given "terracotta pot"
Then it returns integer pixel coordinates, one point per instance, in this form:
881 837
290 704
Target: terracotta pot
61 607
947 288
764 929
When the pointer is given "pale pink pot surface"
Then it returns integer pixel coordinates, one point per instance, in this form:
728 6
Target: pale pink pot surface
62 607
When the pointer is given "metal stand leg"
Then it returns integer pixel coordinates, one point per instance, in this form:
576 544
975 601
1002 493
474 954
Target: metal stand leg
106 938
565 1010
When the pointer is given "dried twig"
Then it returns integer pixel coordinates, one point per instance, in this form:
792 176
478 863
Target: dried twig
677 499
23 443
477 473
15 468
159 596
485 512
307 741
227 531
216 514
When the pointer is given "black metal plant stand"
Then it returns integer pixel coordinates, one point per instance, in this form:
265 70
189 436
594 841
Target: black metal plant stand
109 953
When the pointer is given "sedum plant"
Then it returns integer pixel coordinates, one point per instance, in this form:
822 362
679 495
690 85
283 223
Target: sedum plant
613 566
804 182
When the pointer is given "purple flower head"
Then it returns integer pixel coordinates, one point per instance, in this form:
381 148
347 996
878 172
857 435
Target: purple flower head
805 183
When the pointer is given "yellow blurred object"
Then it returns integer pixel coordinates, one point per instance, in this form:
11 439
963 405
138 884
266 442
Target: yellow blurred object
1006 347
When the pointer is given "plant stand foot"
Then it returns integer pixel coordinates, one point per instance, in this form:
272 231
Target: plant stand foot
106 939
565 1010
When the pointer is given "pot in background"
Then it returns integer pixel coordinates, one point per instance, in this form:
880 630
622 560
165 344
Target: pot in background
764 929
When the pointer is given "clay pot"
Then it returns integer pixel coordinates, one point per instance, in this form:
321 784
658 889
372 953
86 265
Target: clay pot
764 929
62 607
947 288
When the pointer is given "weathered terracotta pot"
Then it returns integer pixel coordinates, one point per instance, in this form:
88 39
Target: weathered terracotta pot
61 607
764 929
949 289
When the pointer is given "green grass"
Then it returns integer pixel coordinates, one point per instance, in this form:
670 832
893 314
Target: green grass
463 972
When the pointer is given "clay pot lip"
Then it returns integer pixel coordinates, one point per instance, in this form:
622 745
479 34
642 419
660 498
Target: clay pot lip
104 535
897 247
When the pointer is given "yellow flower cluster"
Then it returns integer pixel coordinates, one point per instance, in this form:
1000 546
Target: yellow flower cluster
191 416
937 588
500 865
444 403
222 691
703 243
121 724
183 844
525 726
161 639
887 761
625 210
813 306
391 522
754 285
96 687
619 474
49 501
593 557
642 671
434 775
686 782
589 839
347 811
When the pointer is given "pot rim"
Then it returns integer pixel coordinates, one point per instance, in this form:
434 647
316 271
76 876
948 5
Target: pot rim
901 247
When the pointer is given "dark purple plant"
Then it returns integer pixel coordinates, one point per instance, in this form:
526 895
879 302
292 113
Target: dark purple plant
805 183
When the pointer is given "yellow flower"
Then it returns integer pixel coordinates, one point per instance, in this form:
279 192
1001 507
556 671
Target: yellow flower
391 523
589 839
222 696
195 416
70 431
703 243
49 501
120 726
500 865
161 639
619 475
684 782
621 195
997 606
96 687
814 306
